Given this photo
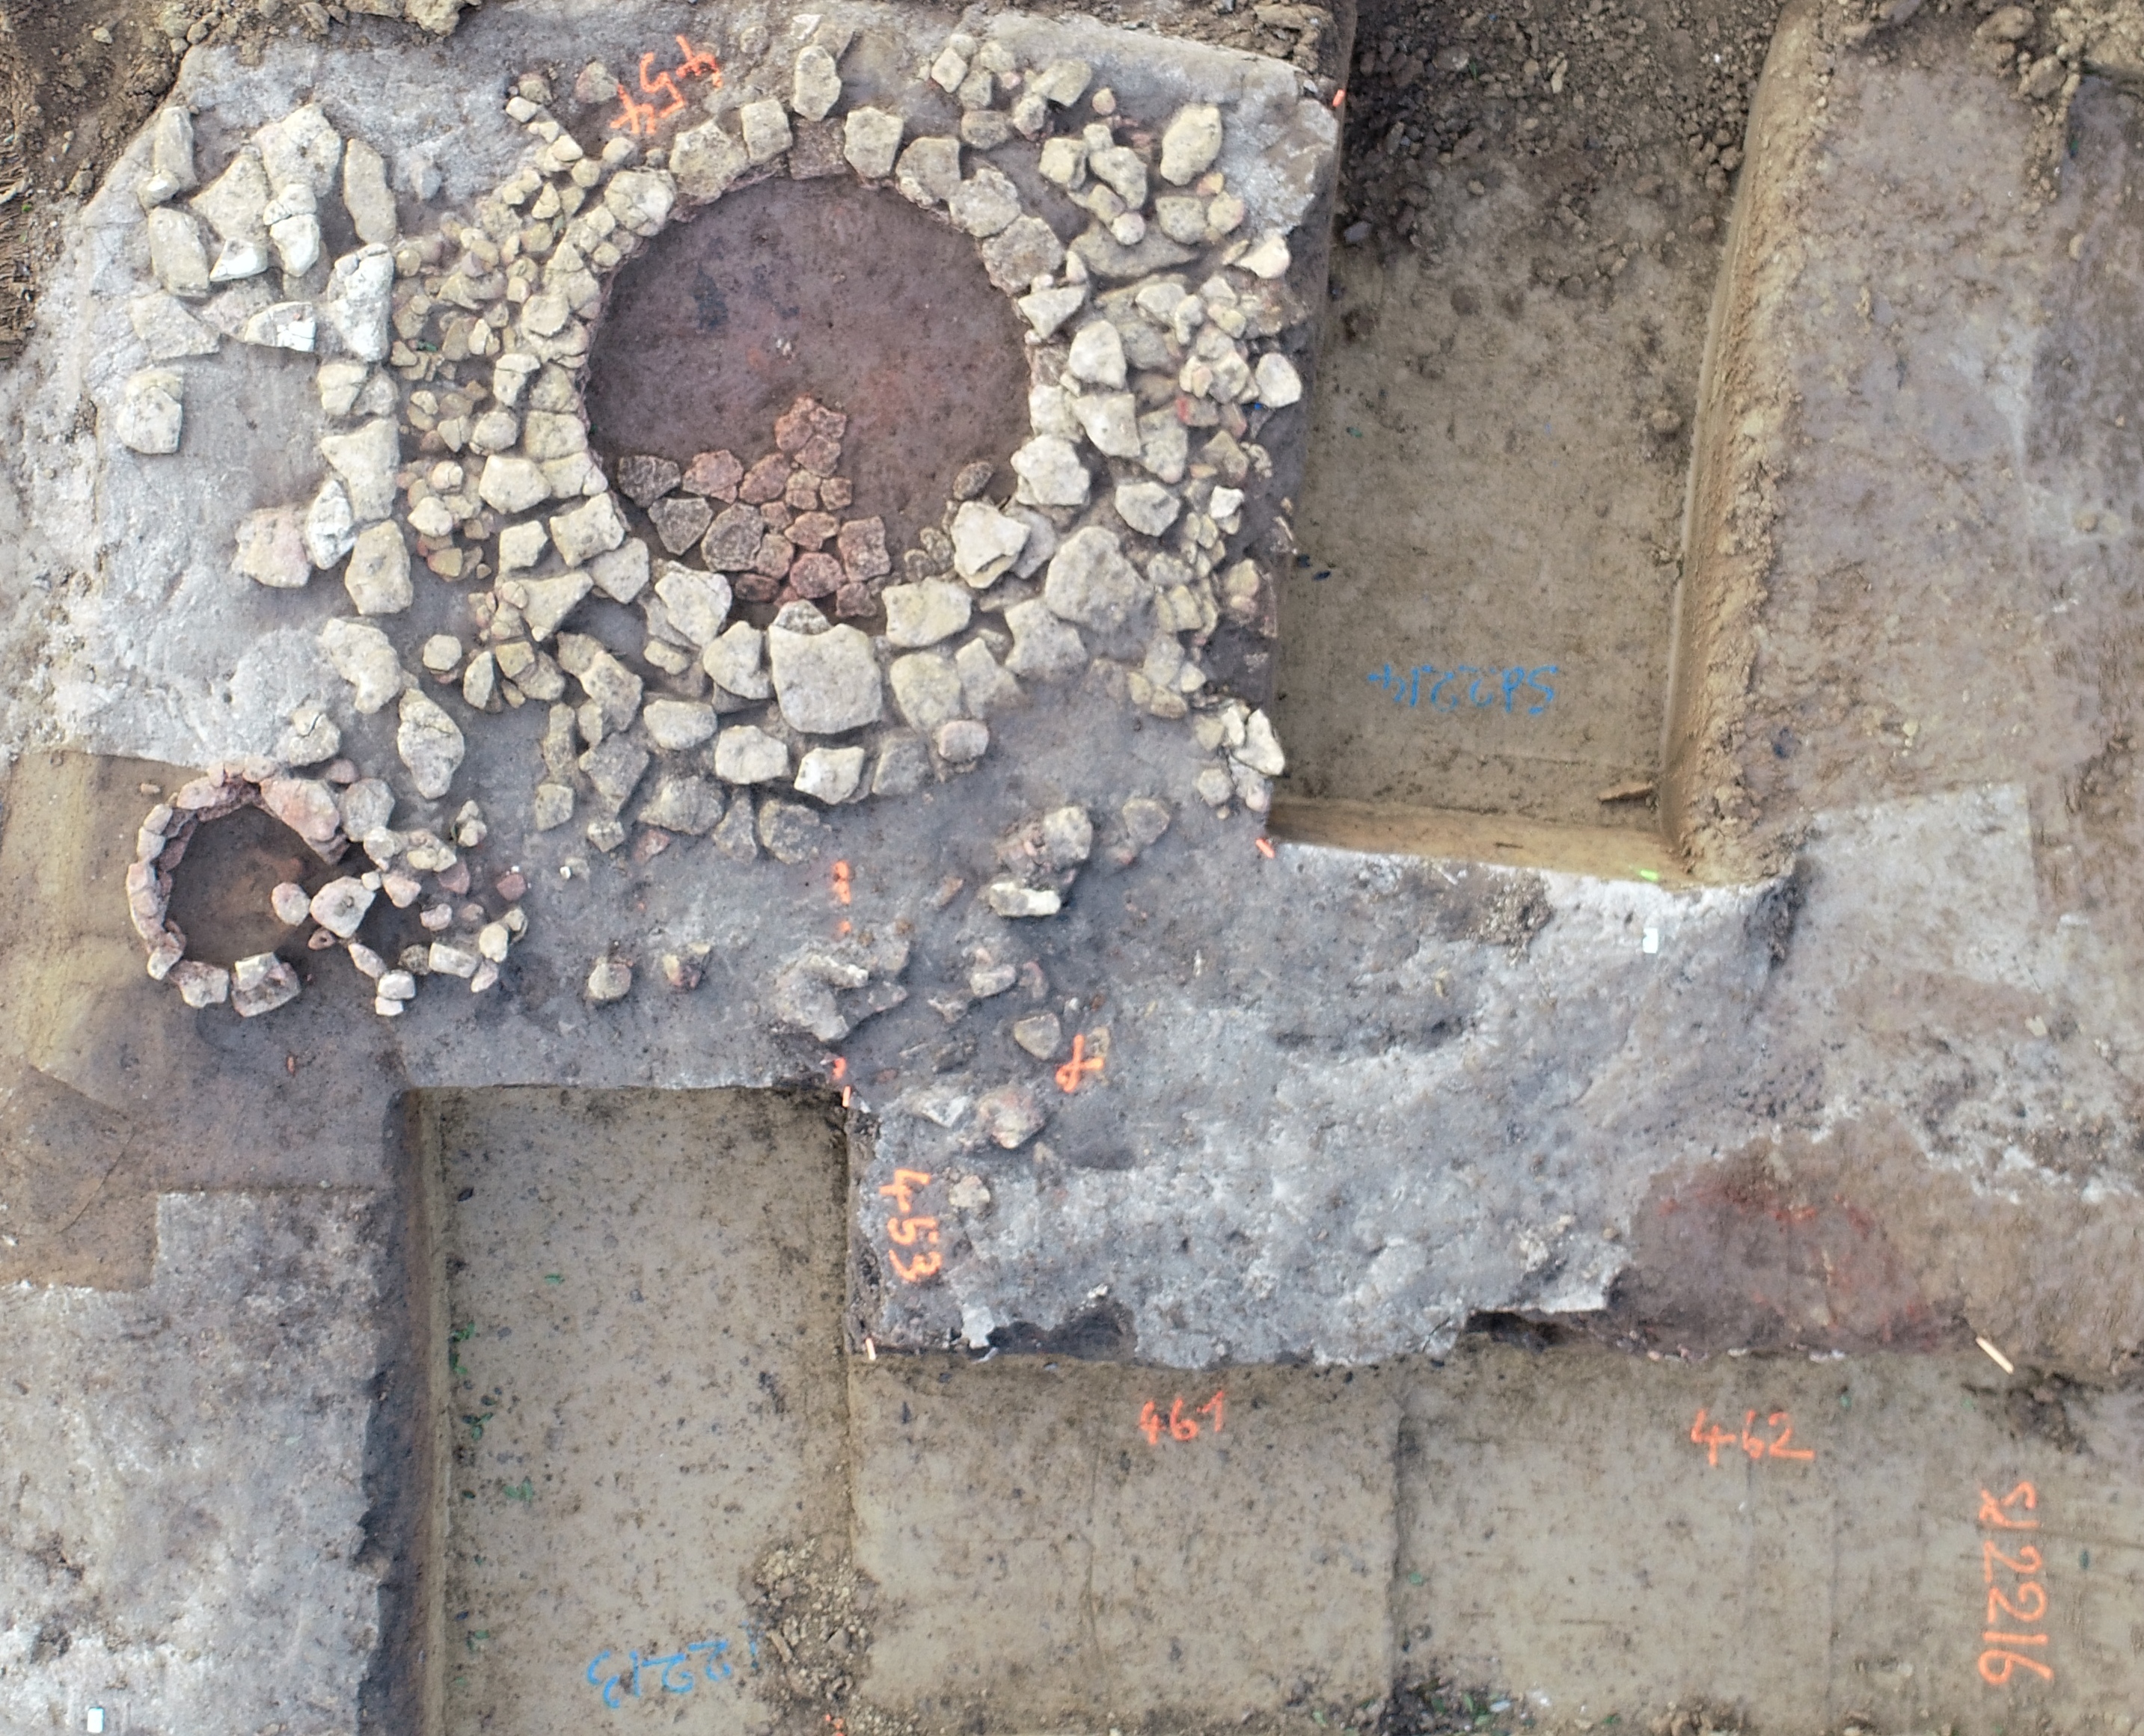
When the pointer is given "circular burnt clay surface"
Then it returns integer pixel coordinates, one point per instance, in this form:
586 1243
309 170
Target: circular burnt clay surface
820 287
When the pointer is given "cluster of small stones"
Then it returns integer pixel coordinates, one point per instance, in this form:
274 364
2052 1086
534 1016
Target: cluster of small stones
467 941
461 349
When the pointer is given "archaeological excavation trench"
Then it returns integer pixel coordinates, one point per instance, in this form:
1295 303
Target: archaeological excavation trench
873 875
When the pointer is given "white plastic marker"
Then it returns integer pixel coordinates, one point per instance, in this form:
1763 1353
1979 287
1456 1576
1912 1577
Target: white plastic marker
96 1722
1996 1356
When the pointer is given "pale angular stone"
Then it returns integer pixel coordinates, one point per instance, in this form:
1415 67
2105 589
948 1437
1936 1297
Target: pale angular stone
283 325
546 602
1164 445
1050 472
609 979
622 575
1118 167
903 766
366 462
677 725
613 768
1062 81
825 682
169 331
640 200
1268 257
736 662
1097 355
260 984
595 527
985 203
1025 249
698 602
961 740
297 243
1046 310
1063 160
311 738
358 308
1110 422
1190 142
1044 648
201 985
302 148
870 139
1280 384
745 755
149 414
237 261
1181 219
177 255
1067 836
609 685
233 203
1090 582
377 576
480 681
1009 898
1031 115
330 527
1260 749
1040 1035
817 87
831 775
553 807
171 156
447 960
340 906
922 614
926 689
521 546
766 126
365 194
339 384
548 434
683 803
428 743
1041 540
985 542
928 170
512 485
707 160
1146 507
950 70
984 685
